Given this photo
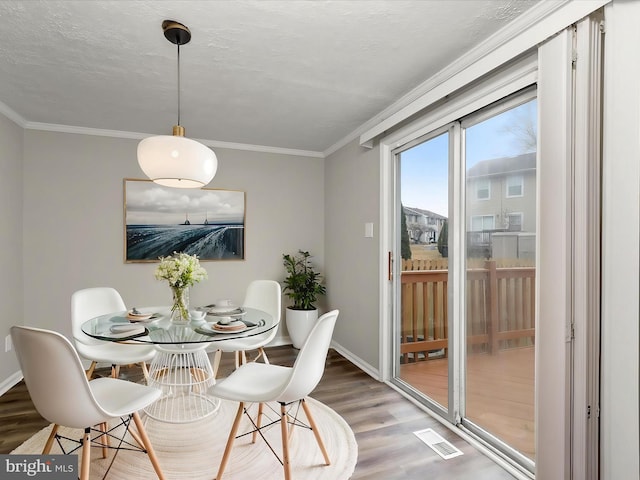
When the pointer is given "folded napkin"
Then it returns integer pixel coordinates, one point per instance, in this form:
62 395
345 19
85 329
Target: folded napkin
126 330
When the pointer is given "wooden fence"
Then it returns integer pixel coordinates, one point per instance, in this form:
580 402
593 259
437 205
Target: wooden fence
500 310
443 263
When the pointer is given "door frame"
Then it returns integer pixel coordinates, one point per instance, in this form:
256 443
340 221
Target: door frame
562 438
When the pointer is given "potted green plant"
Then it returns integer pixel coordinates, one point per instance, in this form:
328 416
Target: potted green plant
303 286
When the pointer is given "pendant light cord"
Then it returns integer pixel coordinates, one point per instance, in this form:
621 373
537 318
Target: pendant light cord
178 83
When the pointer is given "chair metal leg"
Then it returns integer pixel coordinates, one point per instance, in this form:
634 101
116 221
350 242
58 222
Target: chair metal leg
147 445
86 455
285 441
230 440
316 433
52 436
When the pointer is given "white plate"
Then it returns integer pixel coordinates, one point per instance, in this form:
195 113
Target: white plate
152 318
226 311
211 327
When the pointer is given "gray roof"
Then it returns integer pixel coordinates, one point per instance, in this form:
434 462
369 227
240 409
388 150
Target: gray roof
420 211
503 165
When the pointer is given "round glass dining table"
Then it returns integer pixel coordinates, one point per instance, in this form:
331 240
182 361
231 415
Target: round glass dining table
160 330
181 366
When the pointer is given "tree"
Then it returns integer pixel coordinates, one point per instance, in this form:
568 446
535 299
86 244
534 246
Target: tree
443 239
522 128
405 248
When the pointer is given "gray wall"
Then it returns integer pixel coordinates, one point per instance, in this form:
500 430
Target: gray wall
73 223
11 280
352 198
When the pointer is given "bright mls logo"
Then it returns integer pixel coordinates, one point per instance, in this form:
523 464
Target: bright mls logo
51 467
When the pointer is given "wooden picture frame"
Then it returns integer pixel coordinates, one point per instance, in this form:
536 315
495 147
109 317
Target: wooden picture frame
158 221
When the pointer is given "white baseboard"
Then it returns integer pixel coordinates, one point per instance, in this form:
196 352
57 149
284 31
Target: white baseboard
10 382
357 361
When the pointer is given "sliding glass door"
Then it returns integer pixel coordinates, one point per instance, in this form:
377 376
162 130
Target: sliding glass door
425 288
465 290
500 235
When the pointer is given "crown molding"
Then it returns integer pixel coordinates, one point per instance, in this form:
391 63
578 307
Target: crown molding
533 16
12 115
534 26
260 148
54 127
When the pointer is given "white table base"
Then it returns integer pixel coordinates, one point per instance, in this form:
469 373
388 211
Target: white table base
184 374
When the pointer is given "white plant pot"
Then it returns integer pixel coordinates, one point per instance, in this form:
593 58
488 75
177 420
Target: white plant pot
299 324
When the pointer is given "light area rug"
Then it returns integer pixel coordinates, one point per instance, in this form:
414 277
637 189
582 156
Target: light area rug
194 450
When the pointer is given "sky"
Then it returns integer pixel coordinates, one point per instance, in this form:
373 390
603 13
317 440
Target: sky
424 168
148 203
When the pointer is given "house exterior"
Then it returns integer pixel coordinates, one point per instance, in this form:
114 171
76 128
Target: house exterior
501 206
423 225
501 194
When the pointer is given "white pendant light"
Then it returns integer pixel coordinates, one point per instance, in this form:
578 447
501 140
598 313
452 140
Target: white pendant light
174 160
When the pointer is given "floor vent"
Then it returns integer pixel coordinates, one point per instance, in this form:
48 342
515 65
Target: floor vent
437 443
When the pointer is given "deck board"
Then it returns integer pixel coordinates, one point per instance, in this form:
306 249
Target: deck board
500 392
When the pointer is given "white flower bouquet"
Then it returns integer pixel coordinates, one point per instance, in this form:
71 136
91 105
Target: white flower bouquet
182 271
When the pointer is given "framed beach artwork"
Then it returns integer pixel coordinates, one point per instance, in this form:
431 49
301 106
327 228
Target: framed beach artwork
161 220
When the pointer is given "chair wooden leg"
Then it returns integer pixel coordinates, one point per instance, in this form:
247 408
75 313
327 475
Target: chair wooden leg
86 455
230 440
285 442
52 436
237 356
216 363
145 370
91 369
264 355
136 437
316 433
147 445
104 439
257 357
258 422
243 357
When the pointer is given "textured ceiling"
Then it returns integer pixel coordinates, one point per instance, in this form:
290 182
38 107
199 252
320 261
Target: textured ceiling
285 74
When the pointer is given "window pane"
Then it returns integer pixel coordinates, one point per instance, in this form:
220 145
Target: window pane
500 277
514 222
424 191
514 186
483 191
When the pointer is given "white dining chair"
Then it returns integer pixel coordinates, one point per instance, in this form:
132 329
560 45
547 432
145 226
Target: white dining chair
265 295
63 395
92 302
261 383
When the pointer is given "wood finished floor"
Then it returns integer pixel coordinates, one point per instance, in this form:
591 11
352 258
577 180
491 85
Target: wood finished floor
500 392
382 420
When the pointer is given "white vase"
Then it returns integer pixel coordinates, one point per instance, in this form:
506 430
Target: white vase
299 324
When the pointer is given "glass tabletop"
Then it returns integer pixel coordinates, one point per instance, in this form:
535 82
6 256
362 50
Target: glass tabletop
159 329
